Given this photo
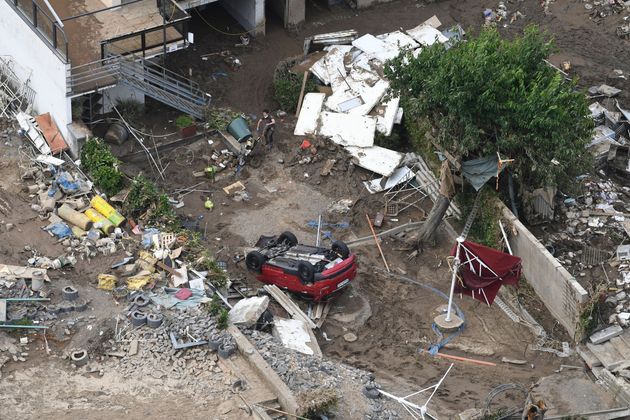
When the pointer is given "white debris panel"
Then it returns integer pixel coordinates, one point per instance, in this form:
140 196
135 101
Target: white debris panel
359 104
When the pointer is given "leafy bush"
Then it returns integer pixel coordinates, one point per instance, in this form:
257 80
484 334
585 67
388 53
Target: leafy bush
489 94
219 118
222 320
144 199
97 159
184 121
287 85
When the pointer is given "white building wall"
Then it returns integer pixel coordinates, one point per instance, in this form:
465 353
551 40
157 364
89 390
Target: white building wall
249 13
38 64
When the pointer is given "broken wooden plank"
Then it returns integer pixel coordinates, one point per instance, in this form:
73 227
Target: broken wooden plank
287 303
321 320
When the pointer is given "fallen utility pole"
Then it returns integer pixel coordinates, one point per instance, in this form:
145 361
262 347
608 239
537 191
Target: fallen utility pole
377 243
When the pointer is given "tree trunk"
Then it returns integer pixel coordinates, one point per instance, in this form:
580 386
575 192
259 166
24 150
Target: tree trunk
430 226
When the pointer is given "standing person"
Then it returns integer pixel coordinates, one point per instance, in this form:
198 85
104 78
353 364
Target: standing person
268 127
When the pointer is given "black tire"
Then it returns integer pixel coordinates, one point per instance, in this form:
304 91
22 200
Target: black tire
306 272
341 249
226 350
70 293
79 357
154 320
215 342
254 261
255 161
138 318
288 238
371 392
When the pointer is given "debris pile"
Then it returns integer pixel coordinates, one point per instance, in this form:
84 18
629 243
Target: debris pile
355 106
305 374
500 14
151 351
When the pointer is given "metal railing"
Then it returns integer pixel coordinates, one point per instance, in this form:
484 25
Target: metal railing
152 79
46 28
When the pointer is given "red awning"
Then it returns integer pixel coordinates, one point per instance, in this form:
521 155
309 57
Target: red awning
483 270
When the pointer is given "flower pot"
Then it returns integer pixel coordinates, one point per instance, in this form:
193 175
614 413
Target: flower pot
189 131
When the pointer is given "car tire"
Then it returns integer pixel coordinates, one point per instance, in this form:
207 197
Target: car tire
306 272
254 261
288 238
341 249
225 350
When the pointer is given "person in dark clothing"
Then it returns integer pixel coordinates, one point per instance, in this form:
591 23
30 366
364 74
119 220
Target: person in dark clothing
269 125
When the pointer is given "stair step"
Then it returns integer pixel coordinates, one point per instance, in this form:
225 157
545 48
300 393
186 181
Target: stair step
589 358
607 354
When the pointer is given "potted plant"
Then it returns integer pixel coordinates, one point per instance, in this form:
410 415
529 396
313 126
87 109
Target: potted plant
187 125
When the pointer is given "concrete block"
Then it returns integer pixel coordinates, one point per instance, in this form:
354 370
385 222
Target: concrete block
247 311
607 354
293 334
589 358
605 334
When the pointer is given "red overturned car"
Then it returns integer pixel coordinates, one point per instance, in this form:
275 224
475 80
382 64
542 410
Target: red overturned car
313 272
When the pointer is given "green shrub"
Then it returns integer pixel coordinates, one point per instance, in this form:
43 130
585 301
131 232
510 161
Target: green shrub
287 85
222 320
184 121
219 118
99 162
145 199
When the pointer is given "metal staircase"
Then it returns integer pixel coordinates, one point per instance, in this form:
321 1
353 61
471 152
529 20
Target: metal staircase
147 77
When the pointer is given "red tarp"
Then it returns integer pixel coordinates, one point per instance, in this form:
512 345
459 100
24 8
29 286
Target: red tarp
483 270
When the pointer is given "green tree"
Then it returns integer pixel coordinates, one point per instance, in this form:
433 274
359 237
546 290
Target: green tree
490 95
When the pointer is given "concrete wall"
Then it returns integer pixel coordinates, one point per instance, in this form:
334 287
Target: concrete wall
120 92
38 64
554 285
249 13
292 12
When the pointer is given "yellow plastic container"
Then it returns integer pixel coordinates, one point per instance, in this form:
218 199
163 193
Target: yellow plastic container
106 226
106 210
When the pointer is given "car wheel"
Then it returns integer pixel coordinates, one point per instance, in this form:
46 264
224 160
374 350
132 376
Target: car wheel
254 261
341 249
289 238
306 272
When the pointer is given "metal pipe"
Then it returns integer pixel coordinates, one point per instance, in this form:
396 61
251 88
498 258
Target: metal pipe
319 225
41 327
26 299
456 262
53 13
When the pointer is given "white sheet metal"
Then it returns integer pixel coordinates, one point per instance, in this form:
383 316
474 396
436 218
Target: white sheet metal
399 115
376 159
400 40
399 176
49 160
370 44
32 131
385 122
348 130
427 35
309 114
371 96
